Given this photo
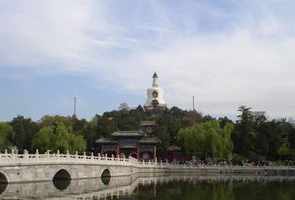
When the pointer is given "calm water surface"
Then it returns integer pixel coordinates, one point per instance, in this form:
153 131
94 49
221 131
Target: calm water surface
176 187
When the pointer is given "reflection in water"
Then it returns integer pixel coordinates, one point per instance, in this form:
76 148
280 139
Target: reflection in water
147 187
224 190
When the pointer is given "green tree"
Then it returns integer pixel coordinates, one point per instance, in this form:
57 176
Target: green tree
58 137
6 133
24 130
207 139
244 133
43 139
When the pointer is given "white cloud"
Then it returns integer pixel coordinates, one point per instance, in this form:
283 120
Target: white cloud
249 61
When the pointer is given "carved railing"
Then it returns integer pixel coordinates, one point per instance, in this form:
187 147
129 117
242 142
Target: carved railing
12 158
27 158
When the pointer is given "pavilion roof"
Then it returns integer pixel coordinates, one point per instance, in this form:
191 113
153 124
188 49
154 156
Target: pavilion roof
127 134
173 148
106 140
147 123
149 140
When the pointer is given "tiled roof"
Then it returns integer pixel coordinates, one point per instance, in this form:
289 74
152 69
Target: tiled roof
106 140
150 140
147 123
173 148
128 133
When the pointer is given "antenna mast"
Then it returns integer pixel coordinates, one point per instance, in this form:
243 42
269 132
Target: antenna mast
75 105
194 103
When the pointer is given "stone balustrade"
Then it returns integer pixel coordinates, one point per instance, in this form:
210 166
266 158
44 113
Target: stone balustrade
37 158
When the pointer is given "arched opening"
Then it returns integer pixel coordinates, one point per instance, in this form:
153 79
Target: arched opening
106 176
62 179
3 183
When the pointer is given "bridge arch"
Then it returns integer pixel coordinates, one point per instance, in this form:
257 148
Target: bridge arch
3 178
62 179
106 173
62 174
105 176
3 182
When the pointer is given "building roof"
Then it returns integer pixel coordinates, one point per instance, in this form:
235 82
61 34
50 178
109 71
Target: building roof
147 123
173 148
106 140
149 140
127 146
155 75
127 134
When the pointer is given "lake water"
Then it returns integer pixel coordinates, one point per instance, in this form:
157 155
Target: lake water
168 187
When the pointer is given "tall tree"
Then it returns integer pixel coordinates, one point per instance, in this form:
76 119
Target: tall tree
24 131
6 133
207 139
244 134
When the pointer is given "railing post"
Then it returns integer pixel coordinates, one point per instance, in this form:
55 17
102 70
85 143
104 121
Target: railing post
48 154
37 154
92 156
98 156
68 153
5 153
76 154
12 154
26 154
84 155
112 157
58 154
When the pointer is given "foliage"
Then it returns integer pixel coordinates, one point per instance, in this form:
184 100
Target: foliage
6 133
58 137
207 139
251 137
24 130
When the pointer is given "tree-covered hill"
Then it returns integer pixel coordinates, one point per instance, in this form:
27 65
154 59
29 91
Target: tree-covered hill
251 136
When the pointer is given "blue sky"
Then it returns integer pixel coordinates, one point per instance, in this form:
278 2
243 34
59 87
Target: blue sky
226 53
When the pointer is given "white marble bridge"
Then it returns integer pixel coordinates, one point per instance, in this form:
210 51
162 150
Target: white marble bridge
45 167
27 167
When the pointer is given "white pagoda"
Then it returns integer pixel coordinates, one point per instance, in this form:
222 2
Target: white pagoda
155 98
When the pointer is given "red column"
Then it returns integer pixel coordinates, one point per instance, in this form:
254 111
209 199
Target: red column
101 149
155 153
137 151
118 150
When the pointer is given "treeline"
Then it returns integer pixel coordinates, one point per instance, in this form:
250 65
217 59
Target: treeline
251 137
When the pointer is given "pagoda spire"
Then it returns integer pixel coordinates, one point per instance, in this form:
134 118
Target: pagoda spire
155 80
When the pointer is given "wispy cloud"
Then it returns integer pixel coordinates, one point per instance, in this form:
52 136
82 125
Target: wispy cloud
226 53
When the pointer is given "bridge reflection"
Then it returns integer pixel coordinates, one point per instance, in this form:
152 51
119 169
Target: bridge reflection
110 188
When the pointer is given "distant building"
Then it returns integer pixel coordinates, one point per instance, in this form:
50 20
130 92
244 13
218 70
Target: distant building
124 107
155 96
141 144
259 113
291 121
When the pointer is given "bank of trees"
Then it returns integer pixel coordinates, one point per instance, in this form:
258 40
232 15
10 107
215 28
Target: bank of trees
252 136
208 140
